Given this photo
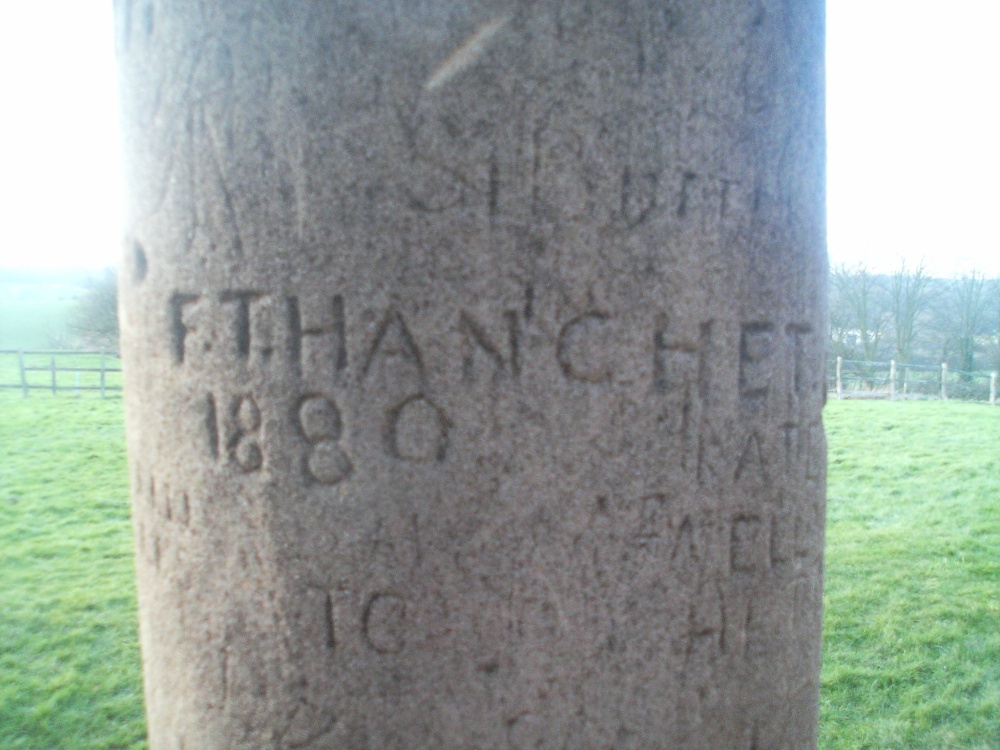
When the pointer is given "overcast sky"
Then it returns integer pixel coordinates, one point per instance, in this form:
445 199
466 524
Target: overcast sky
913 126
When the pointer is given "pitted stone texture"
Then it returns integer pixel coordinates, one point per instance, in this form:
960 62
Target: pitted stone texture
474 359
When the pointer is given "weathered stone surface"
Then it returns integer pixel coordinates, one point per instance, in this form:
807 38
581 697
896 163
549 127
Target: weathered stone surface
474 358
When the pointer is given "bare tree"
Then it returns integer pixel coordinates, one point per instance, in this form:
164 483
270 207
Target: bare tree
965 317
908 299
862 295
96 316
993 311
841 325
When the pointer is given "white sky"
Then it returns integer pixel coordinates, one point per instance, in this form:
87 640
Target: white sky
913 118
913 127
59 163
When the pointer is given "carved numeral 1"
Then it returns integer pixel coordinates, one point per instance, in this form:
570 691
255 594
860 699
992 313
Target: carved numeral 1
233 431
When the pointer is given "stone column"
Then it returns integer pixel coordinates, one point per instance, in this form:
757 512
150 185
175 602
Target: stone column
474 358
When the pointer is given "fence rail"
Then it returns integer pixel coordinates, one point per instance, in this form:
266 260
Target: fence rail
60 370
894 381
100 371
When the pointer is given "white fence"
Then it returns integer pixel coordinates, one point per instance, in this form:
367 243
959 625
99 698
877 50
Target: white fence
75 372
890 380
60 371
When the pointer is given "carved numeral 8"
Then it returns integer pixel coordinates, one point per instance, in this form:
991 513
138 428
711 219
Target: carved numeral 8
319 420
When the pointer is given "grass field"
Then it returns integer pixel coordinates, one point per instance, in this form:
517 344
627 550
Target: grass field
912 624
69 665
912 649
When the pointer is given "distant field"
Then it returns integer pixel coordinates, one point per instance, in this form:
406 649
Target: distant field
33 324
912 634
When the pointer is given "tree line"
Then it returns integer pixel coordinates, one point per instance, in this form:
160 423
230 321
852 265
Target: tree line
908 316
914 318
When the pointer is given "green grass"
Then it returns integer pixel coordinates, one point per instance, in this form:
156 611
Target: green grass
69 663
912 623
912 649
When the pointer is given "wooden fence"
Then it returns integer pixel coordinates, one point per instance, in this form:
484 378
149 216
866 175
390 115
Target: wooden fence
100 372
59 370
893 381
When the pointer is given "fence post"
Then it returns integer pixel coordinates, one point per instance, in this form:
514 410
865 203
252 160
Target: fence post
840 382
892 380
944 381
24 375
993 389
102 373
52 366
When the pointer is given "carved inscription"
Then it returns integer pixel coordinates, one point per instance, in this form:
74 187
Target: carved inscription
716 382
479 344
238 304
383 622
168 511
585 348
756 348
638 197
698 565
751 463
245 442
690 372
320 422
319 342
417 431
393 341
679 362
232 429
797 338
318 615
753 543
253 326
183 308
